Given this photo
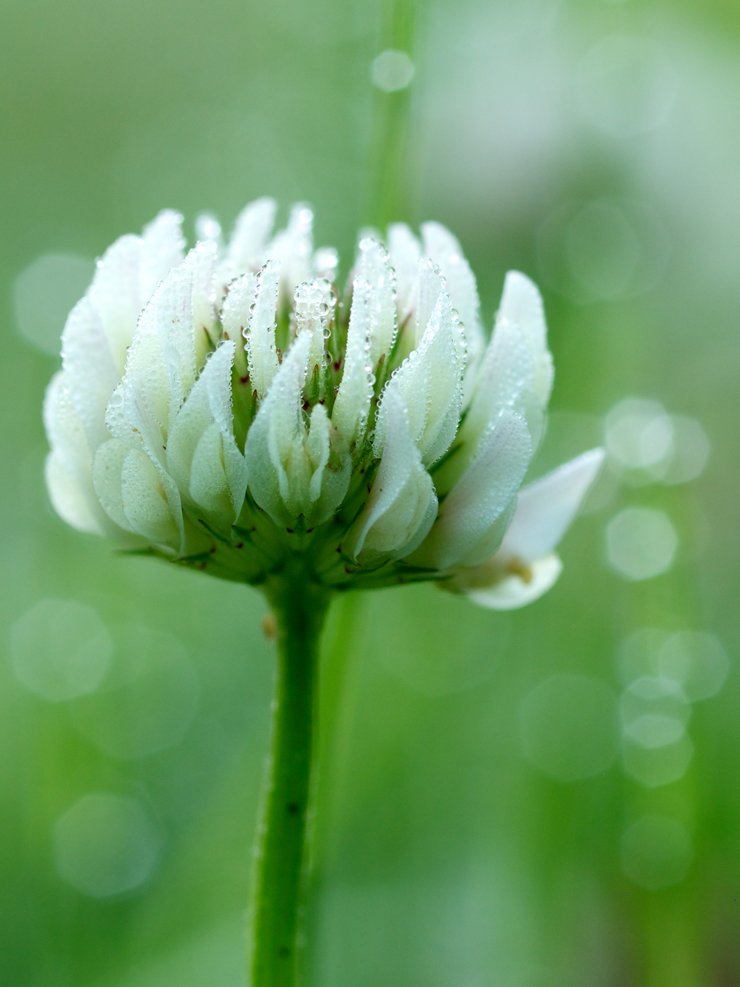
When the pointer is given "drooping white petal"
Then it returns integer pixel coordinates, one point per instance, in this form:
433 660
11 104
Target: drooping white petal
429 385
248 243
467 529
402 503
509 592
546 508
444 249
525 566
275 440
352 402
202 455
260 333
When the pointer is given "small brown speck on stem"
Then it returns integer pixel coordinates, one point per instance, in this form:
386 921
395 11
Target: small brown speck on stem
269 626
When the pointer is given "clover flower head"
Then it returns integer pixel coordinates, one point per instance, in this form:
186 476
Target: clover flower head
233 408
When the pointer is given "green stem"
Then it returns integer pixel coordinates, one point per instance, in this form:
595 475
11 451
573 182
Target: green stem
283 840
390 155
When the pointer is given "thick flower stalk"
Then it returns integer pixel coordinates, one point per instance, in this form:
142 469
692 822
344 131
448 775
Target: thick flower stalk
234 409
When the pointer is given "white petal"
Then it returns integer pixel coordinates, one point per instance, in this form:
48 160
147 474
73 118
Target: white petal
352 402
162 248
513 591
146 501
169 346
428 384
89 368
329 473
260 334
444 249
202 455
275 440
248 242
373 265
402 504
405 254
292 250
128 274
313 309
547 507
505 380
466 531
521 303
136 494
238 304
69 498
68 471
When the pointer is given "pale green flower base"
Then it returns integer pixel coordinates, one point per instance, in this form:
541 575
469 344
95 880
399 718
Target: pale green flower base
299 608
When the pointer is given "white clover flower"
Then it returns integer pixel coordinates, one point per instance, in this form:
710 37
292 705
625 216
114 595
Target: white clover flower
232 409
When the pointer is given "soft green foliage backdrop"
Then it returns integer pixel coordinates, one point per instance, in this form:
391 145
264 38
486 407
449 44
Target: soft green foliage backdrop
483 819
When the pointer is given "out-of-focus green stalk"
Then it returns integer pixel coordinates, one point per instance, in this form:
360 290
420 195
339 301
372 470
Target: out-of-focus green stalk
282 843
391 155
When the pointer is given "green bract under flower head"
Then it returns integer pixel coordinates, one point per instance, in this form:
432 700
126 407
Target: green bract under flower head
235 409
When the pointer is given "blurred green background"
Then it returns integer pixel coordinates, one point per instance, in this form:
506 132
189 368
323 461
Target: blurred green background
535 799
